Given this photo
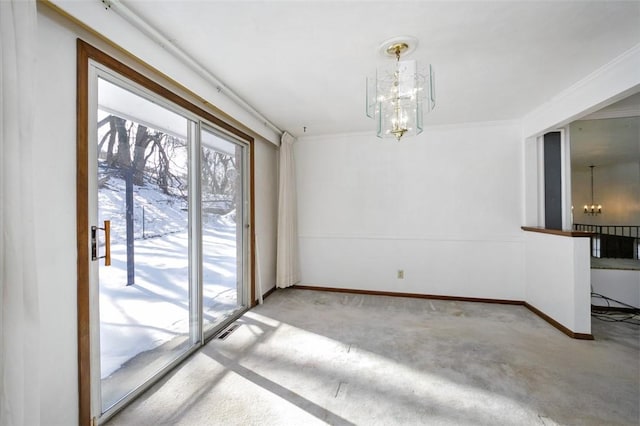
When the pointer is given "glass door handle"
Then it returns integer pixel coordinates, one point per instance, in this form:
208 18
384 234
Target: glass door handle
107 243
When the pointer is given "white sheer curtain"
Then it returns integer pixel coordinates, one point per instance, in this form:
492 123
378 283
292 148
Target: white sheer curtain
287 270
19 319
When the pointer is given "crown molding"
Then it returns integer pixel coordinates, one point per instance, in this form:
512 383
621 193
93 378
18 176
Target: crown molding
433 128
613 113
606 85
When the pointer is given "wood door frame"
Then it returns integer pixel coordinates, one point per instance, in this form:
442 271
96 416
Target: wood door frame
85 53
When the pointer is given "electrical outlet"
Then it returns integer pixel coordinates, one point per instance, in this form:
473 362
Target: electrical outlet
400 274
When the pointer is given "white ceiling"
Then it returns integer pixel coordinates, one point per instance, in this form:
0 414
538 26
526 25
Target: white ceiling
608 136
304 63
605 142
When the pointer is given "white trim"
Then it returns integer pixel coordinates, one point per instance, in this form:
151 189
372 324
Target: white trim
530 171
474 124
92 201
565 174
614 113
608 84
489 238
541 201
312 138
598 73
435 128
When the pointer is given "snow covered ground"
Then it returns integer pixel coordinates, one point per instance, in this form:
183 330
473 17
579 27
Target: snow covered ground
142 317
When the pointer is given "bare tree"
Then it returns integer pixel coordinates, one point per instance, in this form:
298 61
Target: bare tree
123 156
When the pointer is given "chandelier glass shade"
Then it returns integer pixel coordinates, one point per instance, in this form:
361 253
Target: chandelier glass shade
399 95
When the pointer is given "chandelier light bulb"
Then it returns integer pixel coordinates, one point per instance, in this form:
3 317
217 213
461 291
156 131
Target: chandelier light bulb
594 209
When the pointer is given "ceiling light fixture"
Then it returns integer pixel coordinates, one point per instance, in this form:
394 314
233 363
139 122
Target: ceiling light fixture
593 209
399 95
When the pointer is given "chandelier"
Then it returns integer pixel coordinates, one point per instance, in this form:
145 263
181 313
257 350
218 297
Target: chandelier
399 95
593 209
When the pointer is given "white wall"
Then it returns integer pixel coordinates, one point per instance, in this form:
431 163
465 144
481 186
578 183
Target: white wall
266 193
55 222
55 219
622 285
444 206
557 278
616 187
533 214
618 284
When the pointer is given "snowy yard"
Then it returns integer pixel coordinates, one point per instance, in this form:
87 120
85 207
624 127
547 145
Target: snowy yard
141 317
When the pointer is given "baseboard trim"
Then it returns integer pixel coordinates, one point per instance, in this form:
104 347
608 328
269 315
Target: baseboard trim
264 296
538 312
412 295
269 292
556 324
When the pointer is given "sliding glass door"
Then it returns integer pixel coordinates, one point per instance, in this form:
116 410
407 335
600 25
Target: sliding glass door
222 189
145 291
168 204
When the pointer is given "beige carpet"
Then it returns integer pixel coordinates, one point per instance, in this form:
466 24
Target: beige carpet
307 357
